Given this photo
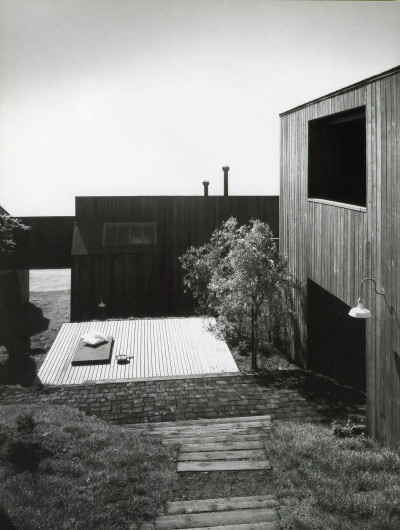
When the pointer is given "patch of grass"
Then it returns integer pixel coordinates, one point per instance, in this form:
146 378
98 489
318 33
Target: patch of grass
90 475
328 482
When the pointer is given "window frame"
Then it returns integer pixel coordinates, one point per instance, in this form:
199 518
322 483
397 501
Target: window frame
130 225
324 183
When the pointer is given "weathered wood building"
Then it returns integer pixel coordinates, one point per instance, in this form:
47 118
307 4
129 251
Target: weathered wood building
340 223
125 249
50 240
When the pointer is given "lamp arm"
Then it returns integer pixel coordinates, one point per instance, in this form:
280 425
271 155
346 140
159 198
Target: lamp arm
377 292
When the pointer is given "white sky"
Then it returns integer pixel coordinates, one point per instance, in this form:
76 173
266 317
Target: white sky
151 97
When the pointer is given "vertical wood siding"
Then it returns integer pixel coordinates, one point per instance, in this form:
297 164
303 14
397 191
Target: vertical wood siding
134 282
50 241
336 246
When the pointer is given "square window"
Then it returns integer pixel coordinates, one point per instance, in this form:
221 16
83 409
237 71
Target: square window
136 234
110 234
149 234
123 235
130 234
337 158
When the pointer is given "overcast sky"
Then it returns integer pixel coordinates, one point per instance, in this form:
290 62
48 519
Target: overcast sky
151 97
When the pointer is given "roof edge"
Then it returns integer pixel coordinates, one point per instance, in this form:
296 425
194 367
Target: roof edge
359 84
80 198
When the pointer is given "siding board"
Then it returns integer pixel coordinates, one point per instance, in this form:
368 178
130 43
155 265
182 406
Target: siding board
337 247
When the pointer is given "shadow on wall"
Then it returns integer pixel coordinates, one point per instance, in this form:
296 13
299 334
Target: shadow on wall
397 362
294 343
336 342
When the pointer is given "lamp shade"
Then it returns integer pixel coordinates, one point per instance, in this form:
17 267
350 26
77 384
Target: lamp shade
360 311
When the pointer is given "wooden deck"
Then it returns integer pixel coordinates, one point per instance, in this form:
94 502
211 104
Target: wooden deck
160 348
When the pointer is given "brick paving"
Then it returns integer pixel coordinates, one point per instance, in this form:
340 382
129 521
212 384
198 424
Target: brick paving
285 395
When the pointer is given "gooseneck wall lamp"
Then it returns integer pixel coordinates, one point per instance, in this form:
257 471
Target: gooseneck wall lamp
360 311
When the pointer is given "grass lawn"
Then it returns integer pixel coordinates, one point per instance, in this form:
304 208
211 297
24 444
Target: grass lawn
326 482
91 475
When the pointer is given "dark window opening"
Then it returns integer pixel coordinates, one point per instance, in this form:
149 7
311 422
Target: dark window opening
336 341
130 234
337 158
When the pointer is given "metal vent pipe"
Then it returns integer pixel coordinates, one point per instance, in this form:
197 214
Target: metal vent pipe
225 169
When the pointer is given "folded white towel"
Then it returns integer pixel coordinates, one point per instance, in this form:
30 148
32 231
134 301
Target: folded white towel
93 338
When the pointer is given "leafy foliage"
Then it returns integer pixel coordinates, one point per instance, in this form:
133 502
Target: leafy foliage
240 277
9 227
23 447
25 423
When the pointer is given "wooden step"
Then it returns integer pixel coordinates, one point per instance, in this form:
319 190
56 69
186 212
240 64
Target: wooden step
223 504
215 432
219 519
236 465
220 446
225 427
213 439
247 526
202 422
256 454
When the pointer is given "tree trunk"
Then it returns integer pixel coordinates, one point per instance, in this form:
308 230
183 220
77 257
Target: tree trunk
253 343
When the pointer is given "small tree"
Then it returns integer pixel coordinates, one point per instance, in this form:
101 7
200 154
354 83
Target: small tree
9 228
199 265
240 277
13 327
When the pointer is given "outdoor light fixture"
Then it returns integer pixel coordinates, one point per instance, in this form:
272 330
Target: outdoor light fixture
360 311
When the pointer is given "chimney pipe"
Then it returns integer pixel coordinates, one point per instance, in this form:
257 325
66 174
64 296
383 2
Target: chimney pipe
225 169
205 184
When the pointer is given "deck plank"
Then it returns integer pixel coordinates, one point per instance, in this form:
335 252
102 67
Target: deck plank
222 465
222 504
210 519
160 348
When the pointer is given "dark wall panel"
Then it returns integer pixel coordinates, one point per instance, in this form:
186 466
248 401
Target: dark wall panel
134 282
50 240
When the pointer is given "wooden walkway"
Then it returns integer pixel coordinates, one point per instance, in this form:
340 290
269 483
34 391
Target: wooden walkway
215 445
159 347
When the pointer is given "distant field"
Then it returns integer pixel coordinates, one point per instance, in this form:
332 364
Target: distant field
49 280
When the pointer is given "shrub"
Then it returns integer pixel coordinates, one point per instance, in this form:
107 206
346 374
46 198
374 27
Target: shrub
241 278
25 424
23 446
348 430
9 228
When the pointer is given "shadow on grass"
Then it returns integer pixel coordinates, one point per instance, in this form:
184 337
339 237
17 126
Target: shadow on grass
18 369
5 521
35 321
